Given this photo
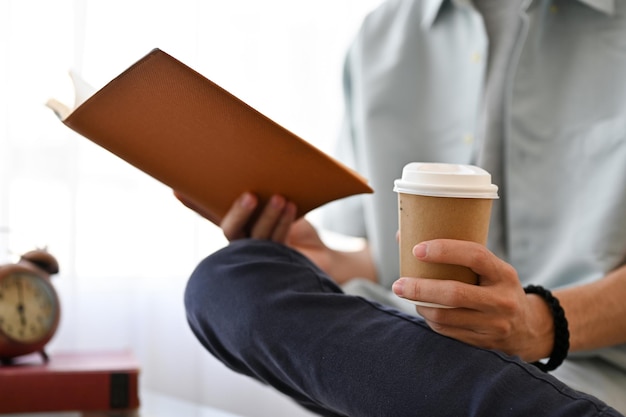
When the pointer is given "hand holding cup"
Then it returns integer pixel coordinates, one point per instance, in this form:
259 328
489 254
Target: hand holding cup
442 201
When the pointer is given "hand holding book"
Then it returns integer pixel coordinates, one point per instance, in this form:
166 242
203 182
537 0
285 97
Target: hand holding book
210 147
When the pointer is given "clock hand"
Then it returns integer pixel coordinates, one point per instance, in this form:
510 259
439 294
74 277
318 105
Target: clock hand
20 305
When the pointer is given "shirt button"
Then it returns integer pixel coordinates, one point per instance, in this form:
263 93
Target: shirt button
476 57
468 138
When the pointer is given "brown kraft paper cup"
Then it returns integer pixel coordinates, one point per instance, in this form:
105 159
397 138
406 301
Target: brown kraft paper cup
442 201
424 218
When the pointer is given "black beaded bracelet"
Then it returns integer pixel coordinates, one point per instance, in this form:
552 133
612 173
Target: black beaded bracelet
561 331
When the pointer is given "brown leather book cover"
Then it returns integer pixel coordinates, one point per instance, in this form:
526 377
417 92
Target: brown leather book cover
81 381
187 132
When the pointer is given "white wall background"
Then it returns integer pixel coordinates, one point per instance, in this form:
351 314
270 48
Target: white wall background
125 245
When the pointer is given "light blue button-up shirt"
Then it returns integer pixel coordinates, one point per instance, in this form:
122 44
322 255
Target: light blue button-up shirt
414 84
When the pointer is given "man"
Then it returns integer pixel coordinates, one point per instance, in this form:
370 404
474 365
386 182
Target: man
540 84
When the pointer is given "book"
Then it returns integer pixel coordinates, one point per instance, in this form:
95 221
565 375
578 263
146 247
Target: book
68 381
176 125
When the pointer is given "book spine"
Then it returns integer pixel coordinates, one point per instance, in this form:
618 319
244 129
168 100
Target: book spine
85 391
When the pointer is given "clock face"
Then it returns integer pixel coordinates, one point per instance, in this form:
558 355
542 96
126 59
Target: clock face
28 307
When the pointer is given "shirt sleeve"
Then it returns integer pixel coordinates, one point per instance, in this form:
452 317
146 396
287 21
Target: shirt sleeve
346 216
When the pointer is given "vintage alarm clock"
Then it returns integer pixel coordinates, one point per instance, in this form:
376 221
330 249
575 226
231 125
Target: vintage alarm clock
29 305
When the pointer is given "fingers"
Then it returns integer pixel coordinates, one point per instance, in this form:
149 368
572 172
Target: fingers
445 292
491 270
234 222
275 220
469 254
472 327
273 223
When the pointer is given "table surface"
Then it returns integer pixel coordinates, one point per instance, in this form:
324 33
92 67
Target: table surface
153 404
159 405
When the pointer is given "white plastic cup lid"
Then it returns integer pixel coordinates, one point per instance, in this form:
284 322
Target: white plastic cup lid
446 180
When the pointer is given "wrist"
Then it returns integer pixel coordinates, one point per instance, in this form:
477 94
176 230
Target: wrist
560 332
541 325
347 265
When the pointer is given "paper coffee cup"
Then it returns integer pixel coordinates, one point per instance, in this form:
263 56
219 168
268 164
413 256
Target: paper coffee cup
436 201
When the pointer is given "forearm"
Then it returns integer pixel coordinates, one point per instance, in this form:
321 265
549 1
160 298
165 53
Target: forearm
596 312
347 265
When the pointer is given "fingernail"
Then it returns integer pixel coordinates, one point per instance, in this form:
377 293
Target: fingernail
420 250
291 208
247 201
398 287
277 202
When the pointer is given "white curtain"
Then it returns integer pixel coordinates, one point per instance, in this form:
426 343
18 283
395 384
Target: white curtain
125 245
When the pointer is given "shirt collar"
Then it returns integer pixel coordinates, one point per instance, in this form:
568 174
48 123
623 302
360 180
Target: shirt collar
431 10
605 6
433 7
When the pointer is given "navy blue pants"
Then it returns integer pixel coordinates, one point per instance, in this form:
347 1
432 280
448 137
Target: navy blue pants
267 312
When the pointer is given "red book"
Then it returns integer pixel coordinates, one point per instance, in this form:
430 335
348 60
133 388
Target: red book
96 381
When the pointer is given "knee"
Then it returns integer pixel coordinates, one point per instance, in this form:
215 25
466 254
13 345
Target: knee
231 282
217 280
